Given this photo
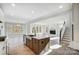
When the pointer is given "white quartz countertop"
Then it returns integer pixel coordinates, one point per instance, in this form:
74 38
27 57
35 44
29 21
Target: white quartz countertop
38 37
41 37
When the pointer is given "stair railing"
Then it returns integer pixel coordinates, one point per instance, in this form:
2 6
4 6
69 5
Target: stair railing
62 32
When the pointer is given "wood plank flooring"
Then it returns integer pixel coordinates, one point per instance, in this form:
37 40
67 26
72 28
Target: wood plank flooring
20 50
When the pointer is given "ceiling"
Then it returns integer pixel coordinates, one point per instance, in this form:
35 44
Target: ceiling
31 11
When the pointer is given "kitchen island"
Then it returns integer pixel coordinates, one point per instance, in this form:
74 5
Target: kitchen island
37 44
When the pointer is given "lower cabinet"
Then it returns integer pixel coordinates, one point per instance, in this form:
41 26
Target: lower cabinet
37 45
2 48
2 45
29 43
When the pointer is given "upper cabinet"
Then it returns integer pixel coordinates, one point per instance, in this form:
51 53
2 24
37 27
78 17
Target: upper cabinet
15 28
38 28
2 32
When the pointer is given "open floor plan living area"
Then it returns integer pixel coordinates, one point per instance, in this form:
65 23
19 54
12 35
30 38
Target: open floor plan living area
39 29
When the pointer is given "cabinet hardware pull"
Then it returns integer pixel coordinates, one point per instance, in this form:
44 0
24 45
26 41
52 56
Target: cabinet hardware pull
42 42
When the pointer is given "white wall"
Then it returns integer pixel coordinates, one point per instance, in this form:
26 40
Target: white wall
75 20
1 15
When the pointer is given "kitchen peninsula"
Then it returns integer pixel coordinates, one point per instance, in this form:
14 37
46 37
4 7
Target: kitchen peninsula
37 44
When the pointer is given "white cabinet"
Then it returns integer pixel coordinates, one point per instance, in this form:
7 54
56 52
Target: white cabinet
2 32
39 28
2 48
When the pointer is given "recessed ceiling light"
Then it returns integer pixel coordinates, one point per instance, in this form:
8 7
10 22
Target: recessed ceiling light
60 6
13 4
32 12
12 14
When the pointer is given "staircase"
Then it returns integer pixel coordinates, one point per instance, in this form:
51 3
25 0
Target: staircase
65 39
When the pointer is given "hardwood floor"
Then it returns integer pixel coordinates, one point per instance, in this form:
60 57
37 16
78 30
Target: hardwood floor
24 50
20 50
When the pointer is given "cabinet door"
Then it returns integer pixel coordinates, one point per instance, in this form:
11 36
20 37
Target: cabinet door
29 43
24 39
35 46
42 44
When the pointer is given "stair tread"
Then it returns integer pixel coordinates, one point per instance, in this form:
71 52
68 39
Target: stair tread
65 40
